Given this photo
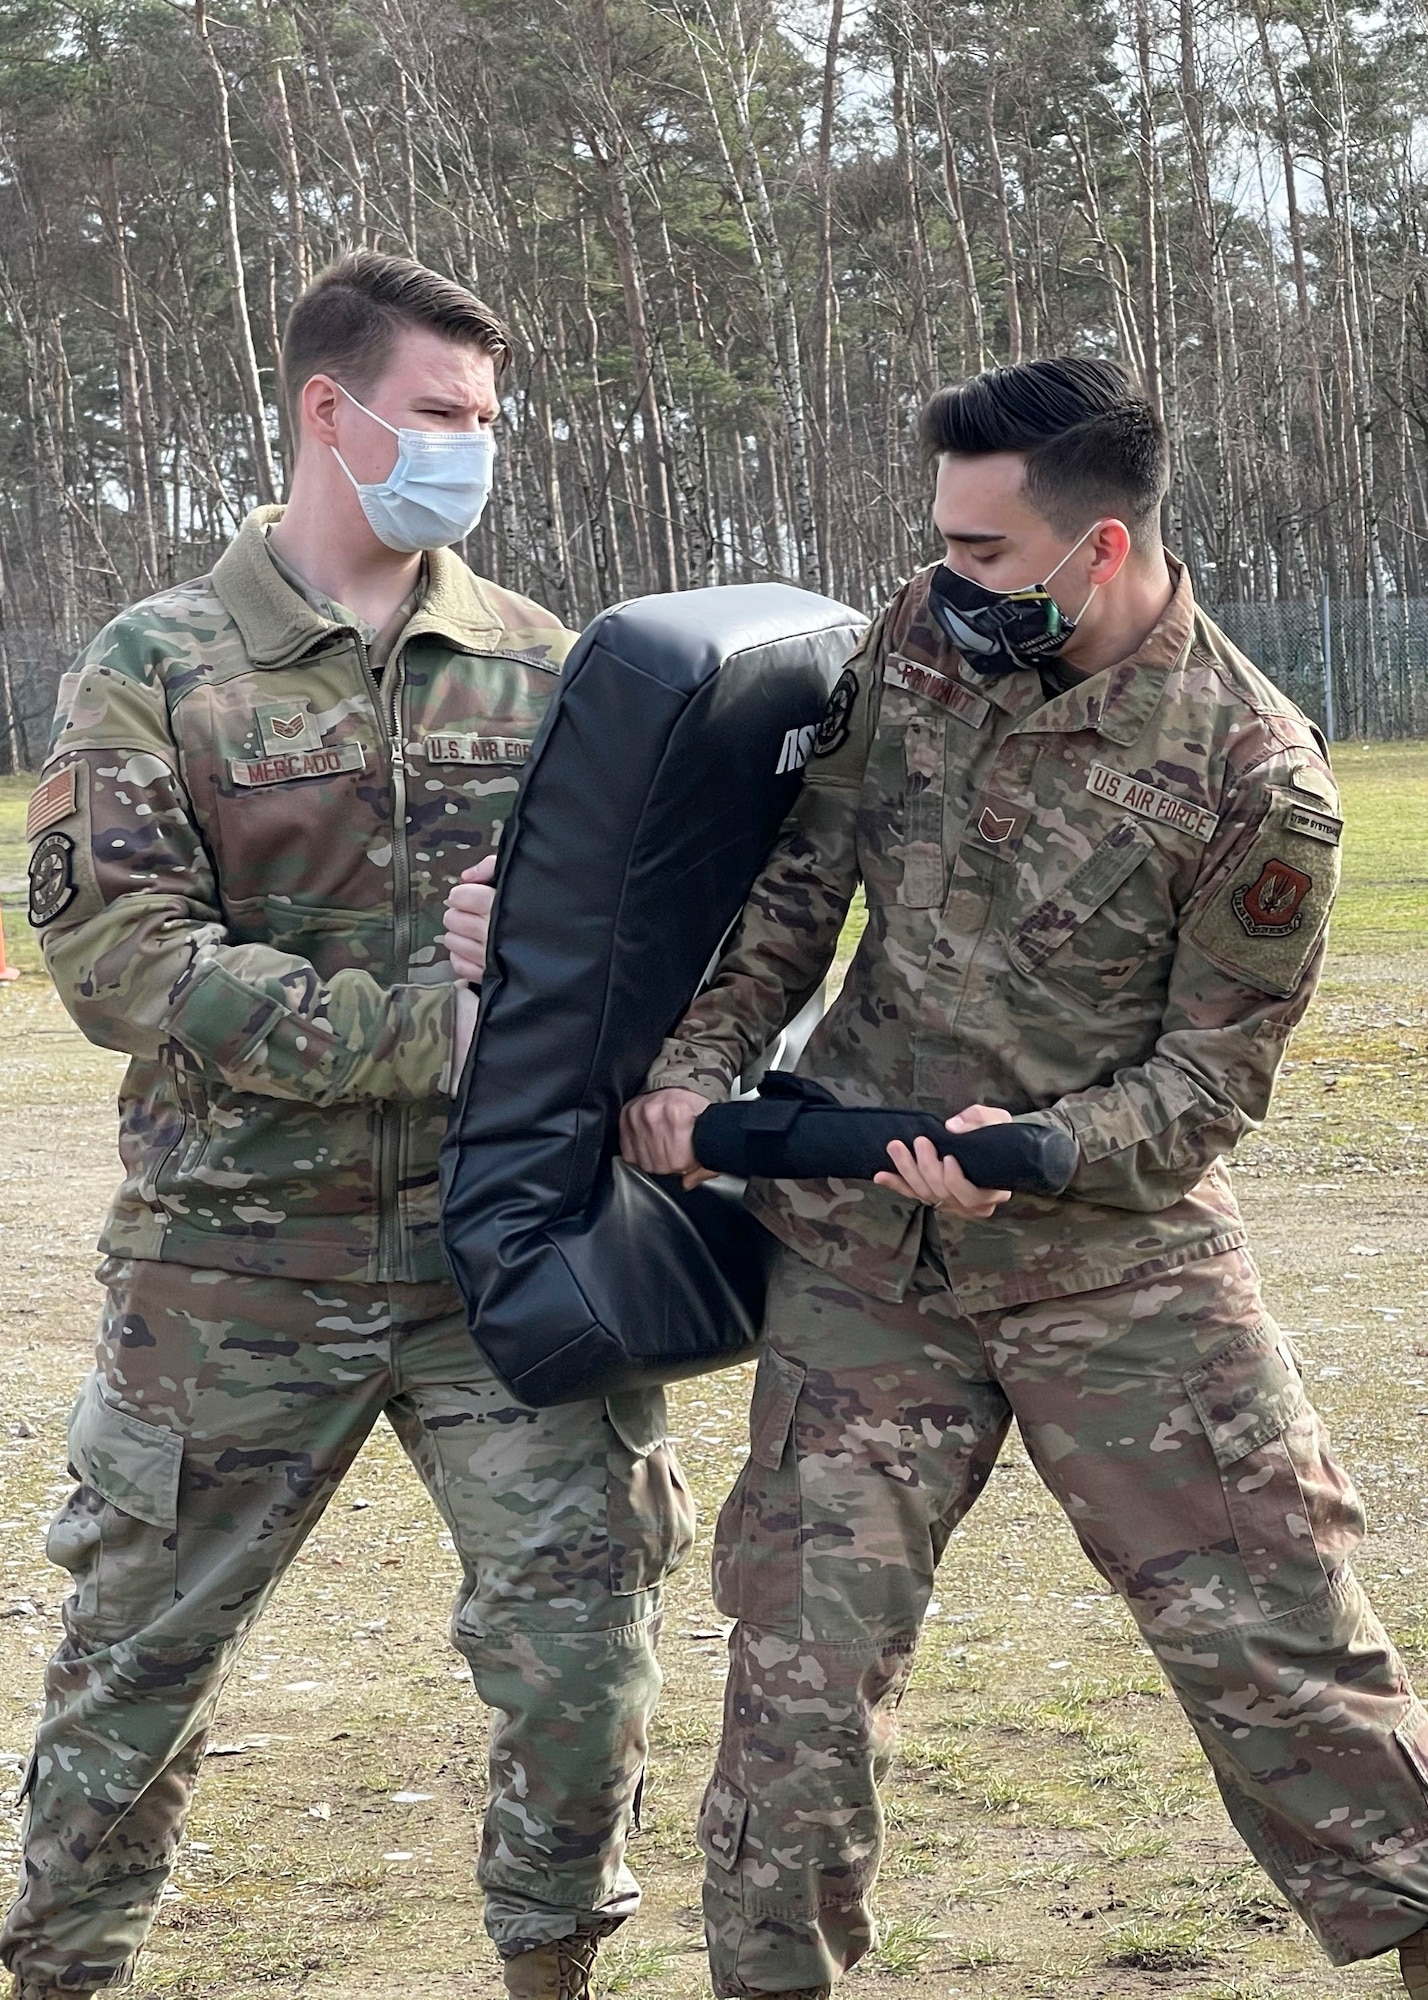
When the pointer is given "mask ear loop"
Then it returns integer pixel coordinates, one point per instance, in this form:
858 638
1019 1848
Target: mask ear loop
356 482
1074 622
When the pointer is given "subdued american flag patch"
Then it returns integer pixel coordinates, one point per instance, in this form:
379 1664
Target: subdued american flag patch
52 800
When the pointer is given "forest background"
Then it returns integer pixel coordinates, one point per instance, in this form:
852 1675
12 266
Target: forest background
739 242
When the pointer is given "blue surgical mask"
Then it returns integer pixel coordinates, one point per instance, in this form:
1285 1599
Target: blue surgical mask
435 493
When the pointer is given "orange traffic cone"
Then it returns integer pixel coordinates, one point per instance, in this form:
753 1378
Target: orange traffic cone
7 971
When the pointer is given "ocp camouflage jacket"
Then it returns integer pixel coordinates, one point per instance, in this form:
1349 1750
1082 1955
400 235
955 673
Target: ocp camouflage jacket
1106 909
242 847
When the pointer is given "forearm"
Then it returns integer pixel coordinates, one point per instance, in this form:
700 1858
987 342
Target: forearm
1150 1134
142 972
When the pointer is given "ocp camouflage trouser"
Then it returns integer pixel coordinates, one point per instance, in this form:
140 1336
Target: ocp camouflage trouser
1170 1422
222 1414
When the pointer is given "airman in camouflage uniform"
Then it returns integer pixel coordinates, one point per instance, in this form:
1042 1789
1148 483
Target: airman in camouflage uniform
1101 906
244 838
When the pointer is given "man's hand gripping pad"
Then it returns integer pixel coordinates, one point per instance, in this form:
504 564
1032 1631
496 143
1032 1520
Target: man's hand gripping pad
652 796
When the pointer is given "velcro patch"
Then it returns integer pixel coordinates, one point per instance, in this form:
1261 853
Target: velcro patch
1266 915
997 822
1118 789
941 688
297 764
469 749
1323 826
837 723
52 800
52 884
1270 905
287 725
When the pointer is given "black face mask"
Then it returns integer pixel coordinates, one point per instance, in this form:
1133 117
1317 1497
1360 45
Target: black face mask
1001 631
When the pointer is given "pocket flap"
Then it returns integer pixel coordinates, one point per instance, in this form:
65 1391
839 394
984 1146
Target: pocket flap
777 1388
640 1419
1052 922
721 1823
133 1464
1246 1393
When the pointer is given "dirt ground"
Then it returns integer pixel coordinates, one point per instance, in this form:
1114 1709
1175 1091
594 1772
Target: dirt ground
1053 1829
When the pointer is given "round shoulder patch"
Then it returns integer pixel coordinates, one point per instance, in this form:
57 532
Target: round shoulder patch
837 723
52 886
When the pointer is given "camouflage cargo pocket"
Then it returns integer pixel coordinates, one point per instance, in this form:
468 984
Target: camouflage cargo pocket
117 1532
1296 1517
649 1510
758 1541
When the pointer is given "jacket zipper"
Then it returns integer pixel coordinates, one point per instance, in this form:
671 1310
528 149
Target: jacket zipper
387 702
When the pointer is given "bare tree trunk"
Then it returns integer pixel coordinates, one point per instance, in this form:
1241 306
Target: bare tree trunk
245 357
919 261
608 148
342 125
823 368
784 312
1146 155
287 145
1308 335
974 352
1011 296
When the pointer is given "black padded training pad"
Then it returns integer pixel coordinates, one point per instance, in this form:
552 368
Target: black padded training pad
650 802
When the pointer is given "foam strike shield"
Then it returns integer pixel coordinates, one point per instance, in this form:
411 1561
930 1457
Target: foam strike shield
650 801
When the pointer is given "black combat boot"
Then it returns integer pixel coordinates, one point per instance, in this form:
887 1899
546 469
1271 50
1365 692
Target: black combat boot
559 1971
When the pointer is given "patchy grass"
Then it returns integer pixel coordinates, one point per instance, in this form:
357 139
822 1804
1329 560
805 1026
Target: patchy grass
1384 905
1052 1828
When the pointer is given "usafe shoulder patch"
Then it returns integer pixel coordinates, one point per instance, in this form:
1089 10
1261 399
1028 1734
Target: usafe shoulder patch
1132 795
1273 903
52 800
941 688
1267 914
280 770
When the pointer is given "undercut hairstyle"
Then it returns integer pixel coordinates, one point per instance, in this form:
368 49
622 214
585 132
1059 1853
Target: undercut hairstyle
347 321
1093 443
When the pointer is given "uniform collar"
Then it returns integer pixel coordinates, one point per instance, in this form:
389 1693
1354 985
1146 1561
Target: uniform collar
278 626
1119 701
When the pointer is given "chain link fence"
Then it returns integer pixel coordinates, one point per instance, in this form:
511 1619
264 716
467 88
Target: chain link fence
1377 685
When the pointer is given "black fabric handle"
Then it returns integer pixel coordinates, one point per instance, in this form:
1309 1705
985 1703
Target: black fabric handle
1028 1159
815 1138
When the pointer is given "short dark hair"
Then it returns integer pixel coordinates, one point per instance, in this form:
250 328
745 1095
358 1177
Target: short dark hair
1092 440
346 321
